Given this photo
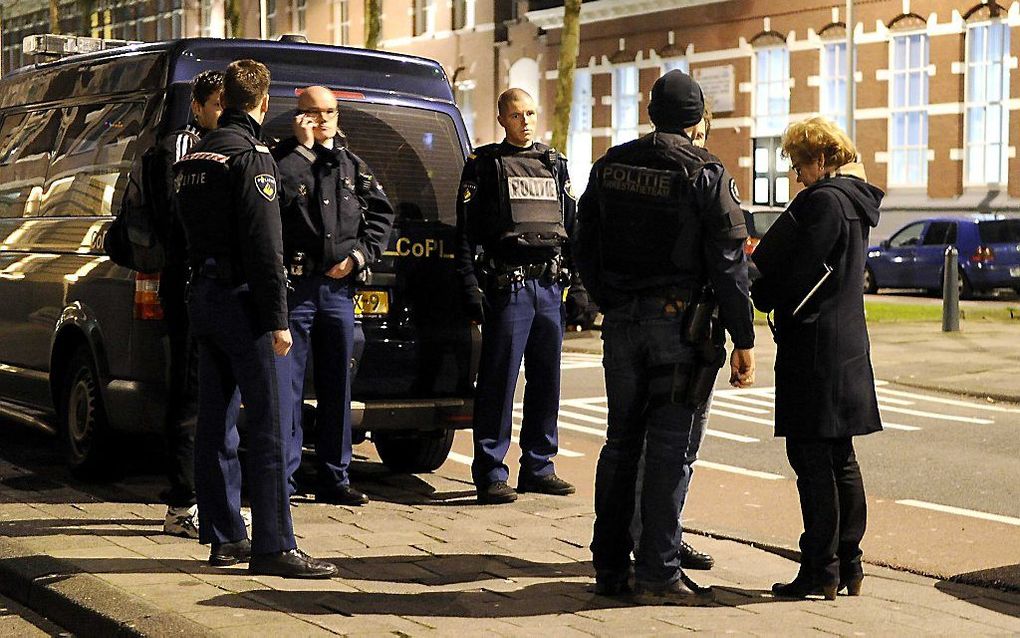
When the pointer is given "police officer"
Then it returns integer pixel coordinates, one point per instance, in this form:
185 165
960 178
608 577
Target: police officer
182 396
659 246
515 203
227 195
336 221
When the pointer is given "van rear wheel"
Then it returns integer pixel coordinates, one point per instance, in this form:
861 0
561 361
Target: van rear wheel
84 431
414 451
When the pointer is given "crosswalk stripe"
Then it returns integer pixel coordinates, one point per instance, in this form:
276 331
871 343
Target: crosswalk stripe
739 438
739 470
897 426
935 415
564 425
892 401
948 509
570 454
744 399
456 457
741 417
737 406
955 402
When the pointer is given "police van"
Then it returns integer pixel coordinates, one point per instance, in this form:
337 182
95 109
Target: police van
83 348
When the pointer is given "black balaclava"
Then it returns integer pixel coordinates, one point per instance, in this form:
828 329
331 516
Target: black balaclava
677 102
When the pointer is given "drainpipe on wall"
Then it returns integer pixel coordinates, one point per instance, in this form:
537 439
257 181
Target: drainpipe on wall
851 70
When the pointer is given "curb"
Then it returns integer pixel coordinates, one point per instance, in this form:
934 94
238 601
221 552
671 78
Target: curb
974 394
82 603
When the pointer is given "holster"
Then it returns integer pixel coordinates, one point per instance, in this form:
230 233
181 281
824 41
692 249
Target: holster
693 382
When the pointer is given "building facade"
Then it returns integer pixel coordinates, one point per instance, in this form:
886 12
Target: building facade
936 81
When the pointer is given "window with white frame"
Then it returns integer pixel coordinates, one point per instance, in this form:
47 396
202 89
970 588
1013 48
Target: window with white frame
771 90
987 124
464 96
463 16
340 24
625 103
833 83
670 64
298 15
908 106
424 16
270 18
579 141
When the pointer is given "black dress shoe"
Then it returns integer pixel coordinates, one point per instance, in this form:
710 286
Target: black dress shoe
227 554
691 558
683 592
804 586
851 584
548 484
495 493
612 587
290 564
340 495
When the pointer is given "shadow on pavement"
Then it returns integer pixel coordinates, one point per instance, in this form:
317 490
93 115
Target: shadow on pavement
976 588
81 527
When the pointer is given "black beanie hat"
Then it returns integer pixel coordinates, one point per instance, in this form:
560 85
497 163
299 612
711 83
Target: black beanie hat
677 102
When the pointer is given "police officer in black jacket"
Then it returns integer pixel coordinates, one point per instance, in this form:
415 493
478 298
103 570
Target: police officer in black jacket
659 247
182 395
227 195
515 203
336 221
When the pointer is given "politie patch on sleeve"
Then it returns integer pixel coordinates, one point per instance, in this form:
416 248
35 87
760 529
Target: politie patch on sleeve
734 193
266 185
467 191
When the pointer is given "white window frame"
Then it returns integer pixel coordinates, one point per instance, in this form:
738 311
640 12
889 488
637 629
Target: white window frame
623 97
833 82
681 62
464 94
579 142
424 10
340 22
299 16
272 7
469 14
769 123
975 142
913 115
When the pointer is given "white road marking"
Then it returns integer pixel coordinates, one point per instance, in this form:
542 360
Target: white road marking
737 406
739 470
564 452
456 457
744 399
962 404
897 426
583 417
891 401
959 511
565 425
739 438
936 415
741 417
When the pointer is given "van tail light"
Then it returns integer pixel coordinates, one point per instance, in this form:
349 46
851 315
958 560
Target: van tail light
749 245
147 306
983 255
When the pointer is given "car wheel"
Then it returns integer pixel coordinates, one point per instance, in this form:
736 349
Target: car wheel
870 286
84 431
414 451
963 287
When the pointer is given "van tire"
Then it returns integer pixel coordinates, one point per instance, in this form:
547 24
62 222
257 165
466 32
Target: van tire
84 429
414 451
870 285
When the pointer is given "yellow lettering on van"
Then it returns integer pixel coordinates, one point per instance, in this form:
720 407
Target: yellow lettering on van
429 247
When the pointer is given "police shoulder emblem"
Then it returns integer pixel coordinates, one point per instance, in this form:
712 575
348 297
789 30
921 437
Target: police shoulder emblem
568 188
178 180
266 185
467 191
734 193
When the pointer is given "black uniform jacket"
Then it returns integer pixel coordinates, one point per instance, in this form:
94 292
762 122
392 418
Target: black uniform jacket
227 198
825 386
332 206
479 199
722 234
168 152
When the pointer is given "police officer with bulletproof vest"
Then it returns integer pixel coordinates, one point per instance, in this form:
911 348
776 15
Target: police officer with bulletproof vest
227 195
182 394
659 247
515 203
336 222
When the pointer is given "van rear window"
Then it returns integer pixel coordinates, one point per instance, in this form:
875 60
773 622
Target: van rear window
999 231
414 153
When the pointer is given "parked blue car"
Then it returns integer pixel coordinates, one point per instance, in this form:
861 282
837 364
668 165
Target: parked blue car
989 249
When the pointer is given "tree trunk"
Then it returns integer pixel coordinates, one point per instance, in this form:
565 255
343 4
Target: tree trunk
55 16
373 23
570 45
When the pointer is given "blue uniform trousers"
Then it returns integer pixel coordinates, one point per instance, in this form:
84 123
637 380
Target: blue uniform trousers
237 363
520 324
322 321
641 348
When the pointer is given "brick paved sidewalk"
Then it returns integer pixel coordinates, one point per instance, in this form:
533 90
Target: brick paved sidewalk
421 559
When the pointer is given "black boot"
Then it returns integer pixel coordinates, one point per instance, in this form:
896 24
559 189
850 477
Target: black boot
805 585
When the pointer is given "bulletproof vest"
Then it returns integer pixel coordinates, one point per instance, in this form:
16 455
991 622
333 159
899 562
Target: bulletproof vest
647 214
203 190
529 204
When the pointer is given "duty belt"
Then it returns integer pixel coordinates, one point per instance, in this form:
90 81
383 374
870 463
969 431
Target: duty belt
672 303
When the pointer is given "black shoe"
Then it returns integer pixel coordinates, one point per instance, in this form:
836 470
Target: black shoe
495 493
548 484
804 586
290 564
683 592
612 585
340 495
691 558
852 584
227 554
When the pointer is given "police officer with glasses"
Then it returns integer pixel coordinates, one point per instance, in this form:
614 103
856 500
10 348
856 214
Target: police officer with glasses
659 247
227 195
515 204
336 222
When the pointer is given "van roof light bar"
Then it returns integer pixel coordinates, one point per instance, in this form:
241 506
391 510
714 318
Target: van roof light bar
52 45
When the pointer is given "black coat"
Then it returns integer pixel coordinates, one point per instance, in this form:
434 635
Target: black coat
825 385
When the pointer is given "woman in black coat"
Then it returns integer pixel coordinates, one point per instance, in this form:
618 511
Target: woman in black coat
825 386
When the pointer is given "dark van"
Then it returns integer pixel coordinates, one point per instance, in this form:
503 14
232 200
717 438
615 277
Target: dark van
83 349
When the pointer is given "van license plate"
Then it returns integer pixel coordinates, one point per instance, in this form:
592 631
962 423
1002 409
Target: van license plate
1014 271
371 303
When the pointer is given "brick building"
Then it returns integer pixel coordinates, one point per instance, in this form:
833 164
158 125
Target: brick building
937 86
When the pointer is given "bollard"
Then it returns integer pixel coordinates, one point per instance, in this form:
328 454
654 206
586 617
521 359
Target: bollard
950 292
